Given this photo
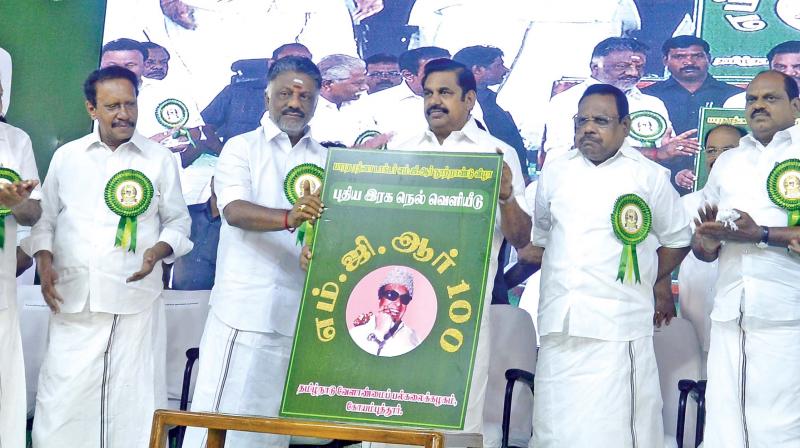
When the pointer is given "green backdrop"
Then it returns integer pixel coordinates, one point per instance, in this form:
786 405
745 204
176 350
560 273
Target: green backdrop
54 45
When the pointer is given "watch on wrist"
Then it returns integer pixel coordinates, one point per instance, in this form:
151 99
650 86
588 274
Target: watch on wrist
764 243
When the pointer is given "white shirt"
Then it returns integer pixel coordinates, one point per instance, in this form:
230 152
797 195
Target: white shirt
473 139
259 282
560 129
763 283
334 124
79 229
738 101
580 295
5 79
400 111
402 341
16 153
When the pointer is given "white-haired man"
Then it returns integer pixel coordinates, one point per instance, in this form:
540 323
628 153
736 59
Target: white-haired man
344 80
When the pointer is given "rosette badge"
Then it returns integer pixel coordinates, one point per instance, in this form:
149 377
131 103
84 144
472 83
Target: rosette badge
648 127
7 176
293 187
631 220
128 194
783 188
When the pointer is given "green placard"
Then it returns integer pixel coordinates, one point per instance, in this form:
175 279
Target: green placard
711 117
390 315
741 32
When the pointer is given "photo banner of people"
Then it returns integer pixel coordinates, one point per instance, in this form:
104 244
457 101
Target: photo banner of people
739 31
406 291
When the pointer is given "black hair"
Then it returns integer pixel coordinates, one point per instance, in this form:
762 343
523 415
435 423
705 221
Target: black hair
790 46
152 45
466 80
683 42
295 64
613 44
284 47
125 44
381 58
608 89
480 55
105 74
410 60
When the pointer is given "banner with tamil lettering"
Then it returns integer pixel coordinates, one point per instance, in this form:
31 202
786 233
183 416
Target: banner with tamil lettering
711 117
389 321
741 32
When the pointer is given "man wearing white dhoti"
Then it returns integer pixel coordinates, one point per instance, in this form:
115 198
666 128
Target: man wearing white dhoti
244 352
612 229
112 210
19 204
748 221
450 93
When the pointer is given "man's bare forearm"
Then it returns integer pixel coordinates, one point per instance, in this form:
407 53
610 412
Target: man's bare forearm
515 224
248 216
669 259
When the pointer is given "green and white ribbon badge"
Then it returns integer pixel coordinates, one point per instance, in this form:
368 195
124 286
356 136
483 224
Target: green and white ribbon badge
293 188
783 188
128 194
173 114
631 220
648 127
7 176
366 135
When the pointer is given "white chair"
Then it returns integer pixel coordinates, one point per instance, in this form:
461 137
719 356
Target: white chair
678 356
513 346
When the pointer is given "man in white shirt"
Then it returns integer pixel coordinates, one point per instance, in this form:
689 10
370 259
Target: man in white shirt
244 353
697 278
785 58
344 80
450 93
111 211
748 221
19 204
395 111
620 62
596 377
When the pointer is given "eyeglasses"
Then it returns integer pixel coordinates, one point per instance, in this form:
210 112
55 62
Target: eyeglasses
393 295
601 121
383 74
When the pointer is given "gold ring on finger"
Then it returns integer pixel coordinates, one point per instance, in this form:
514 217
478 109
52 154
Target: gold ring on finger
302 207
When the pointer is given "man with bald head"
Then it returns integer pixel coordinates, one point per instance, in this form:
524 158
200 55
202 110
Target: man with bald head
748 221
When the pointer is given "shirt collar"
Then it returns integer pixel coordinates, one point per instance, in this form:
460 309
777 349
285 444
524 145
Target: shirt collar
137 141
624 151
470 131
271 130
791 135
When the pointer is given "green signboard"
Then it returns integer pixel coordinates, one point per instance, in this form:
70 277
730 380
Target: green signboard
741 32
389 321
711 117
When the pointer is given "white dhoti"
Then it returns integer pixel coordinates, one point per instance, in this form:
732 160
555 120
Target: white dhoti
12 379
102 377
753 393
595 393
241 372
